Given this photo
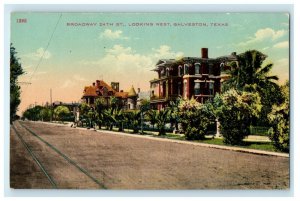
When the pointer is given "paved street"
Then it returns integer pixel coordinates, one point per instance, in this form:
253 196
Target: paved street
77 158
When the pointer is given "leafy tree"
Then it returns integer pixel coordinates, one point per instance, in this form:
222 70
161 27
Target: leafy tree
45 114
234 110
84 108
249 74
15 71
195 118
61 112
34 113
279 118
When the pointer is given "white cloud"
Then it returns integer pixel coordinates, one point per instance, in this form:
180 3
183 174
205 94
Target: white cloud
121 63
284 44
40 52
119 49
113 35
266 34
266 48
165 52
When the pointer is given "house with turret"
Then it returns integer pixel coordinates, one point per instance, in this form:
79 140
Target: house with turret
100 89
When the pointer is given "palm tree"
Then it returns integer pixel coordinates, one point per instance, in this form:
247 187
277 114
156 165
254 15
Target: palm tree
99 108
174 113
249 74
151 117
118 116
109 118
162 117
134 118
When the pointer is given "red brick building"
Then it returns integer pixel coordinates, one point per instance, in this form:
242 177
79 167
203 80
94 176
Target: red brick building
198 77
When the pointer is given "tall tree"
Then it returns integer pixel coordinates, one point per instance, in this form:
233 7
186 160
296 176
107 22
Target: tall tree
249 74
279 118
15 71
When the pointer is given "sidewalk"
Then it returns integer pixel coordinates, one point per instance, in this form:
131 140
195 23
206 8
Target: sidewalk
229 148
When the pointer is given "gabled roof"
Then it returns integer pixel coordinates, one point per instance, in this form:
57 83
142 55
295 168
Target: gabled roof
89 91
104 84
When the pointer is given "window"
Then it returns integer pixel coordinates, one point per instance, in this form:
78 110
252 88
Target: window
162 72
179 70
210 68
197 88
167 72
222 66
211 88
179 88
186 69
197 68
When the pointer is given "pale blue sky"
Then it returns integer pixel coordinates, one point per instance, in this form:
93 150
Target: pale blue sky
79 55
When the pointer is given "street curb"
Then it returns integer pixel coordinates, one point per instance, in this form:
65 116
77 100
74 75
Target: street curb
229 148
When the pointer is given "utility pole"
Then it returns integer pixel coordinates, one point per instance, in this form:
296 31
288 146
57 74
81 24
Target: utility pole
51 105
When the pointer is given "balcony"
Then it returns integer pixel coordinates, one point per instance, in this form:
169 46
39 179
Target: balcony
163 98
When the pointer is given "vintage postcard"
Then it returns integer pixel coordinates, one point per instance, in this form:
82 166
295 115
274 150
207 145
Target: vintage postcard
149 101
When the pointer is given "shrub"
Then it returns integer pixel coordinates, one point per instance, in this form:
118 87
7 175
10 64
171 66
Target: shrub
279 120
195 119
234 111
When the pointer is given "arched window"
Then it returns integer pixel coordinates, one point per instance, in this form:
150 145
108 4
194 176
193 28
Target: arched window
180 70
197 88
222 66
197 68
186 69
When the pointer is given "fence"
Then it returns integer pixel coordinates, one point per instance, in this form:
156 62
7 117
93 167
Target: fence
259 130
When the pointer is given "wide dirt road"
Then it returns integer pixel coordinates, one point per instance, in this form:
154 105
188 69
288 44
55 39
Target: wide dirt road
115 161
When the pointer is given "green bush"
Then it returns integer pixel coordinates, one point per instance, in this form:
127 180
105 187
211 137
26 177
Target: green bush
279 119
195 119
234 110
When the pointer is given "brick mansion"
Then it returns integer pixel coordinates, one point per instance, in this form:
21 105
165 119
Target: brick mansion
198 77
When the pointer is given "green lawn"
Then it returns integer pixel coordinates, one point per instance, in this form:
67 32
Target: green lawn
266 146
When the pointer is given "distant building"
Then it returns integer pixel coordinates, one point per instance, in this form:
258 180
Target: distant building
100 89
198 77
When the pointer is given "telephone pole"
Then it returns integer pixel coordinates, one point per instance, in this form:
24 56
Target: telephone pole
51 114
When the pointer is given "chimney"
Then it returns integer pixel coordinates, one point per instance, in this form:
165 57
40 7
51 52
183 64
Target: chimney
139 90
204 53
97 83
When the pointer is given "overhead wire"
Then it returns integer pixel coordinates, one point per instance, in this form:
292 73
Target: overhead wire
45 50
